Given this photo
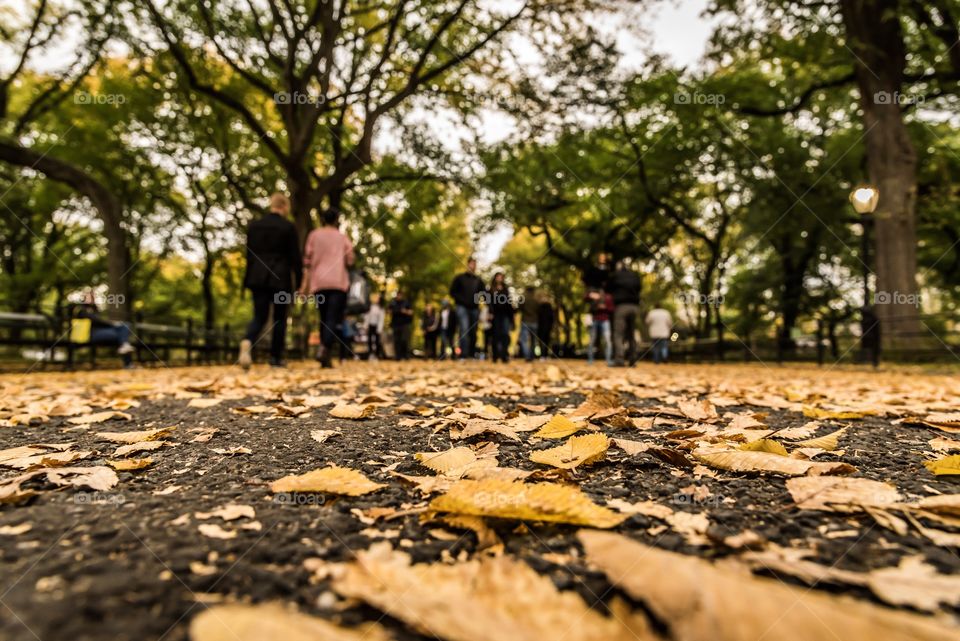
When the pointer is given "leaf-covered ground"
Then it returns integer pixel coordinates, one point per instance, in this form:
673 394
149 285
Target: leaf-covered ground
466 501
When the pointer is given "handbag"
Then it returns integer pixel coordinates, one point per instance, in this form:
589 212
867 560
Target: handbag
358 293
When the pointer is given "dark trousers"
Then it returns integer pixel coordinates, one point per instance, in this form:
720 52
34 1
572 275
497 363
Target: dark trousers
430 342
374 343
401 342
624 332
263 301
500 333
332 304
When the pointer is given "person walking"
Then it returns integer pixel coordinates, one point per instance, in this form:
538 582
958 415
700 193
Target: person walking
272 275
373 324
431 330
624 287
659 327
401 320
528 322
448 328
500 304
466 290
545 318
595 276
601 309
328 256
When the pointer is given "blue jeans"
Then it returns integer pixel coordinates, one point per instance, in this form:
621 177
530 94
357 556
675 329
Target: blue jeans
467 320
661 349
116 335
597 329
528 338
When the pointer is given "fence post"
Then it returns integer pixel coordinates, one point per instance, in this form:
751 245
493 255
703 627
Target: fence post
819 341
189 340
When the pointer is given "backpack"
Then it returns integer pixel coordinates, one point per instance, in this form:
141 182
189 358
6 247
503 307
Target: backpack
358 294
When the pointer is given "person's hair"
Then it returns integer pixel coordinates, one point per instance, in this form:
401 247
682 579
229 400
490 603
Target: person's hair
330 216
471 259
279 200
501 276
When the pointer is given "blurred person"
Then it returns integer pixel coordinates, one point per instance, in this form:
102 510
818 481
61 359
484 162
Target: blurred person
448 327
401 320
595 276
624 286
485 325
103 331
545 319
466 290
659 328
327 258
373 323
500 304
431 330
272 276
528 322
601 309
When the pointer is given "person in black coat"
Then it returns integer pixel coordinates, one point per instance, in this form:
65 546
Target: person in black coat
624 286
467 290
272 276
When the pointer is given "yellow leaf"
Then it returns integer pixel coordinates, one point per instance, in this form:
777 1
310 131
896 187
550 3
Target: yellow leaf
840 494
135 437
125 465
764 445
948 466
237 622
577 450
838 415
454 462
559 427
732 605
99 417
332 480
354 412
485 599
740 461
527 502
827 442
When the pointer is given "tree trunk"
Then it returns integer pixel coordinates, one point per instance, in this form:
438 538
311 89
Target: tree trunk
875 35
108 208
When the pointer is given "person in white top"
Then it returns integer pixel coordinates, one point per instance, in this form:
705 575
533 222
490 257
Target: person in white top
373 323
659 327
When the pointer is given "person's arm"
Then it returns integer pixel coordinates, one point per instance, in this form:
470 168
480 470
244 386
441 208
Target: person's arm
349 257
307 263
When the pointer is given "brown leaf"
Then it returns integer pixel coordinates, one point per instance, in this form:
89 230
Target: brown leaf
332 480
739 461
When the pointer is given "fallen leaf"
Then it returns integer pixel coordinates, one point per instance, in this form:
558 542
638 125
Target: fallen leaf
99 417
321 436
214 531
739 461
332 480
575 451
947 466
526 502
229 512
559 427
840 494
130 464
353 412
271 621
203 403
829 442
135 437
765 445
733 606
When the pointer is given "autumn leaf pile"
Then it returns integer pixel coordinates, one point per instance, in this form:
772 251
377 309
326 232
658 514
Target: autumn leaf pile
513 449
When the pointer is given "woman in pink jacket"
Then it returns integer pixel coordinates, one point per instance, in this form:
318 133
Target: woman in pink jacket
327 256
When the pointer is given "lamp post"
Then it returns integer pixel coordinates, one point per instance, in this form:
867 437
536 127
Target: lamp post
864 200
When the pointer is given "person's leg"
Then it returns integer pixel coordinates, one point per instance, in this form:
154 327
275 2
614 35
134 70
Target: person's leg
473 318
463 329
261 312
336 312
592 341
278 342
607 342
619 329
632 334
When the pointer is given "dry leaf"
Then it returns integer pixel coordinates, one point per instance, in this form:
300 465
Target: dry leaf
947 466
130 464
214 531
559 427
321 436
354 412
765 445
135 437
703 411
828 442
575 451
273 622
143 446
203 403
837 415
99 417
632 447
840 494
332 480
497 598
526 502
229 512
739 461
700 601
